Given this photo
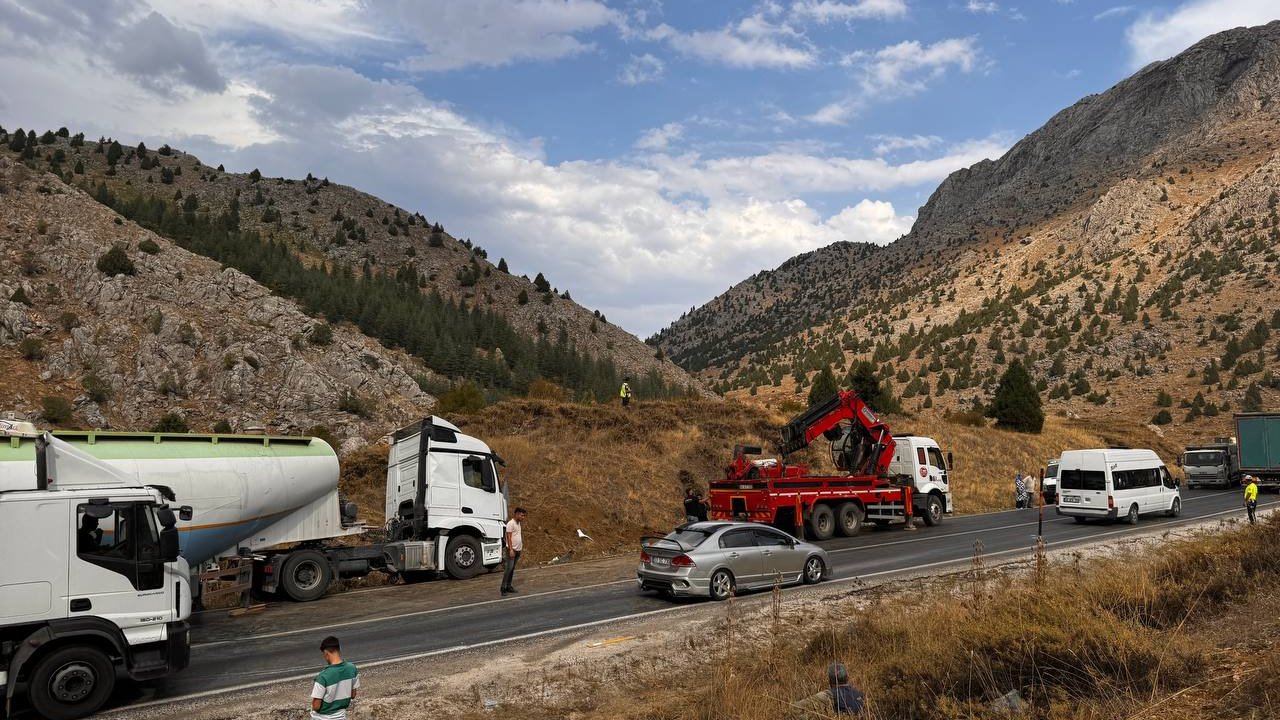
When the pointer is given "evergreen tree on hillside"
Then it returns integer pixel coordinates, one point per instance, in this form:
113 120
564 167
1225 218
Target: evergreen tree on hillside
864 380
1016 404
502 265
824 386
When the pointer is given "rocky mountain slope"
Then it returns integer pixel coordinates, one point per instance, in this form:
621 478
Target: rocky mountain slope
324 222
1126 250
162 331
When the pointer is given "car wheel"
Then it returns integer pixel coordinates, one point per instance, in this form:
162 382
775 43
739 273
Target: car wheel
849 519
462 557
305 576
71 683
814 569
823 522
1132 517
1079 520
1175 508
721 585
933 510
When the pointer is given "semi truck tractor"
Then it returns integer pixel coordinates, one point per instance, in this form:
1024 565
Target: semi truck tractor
1258 435
276 499
91 581
882 478
1216 463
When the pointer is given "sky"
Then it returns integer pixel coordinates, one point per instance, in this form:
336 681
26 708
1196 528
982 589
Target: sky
645 155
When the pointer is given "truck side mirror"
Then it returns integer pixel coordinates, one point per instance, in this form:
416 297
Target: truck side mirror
185 513
169 544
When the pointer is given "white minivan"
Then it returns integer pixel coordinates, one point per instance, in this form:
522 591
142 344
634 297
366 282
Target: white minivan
1115 483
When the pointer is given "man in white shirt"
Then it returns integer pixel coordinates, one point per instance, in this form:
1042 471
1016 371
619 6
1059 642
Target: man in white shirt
514 543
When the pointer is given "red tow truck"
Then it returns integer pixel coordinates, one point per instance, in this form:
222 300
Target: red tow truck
885 478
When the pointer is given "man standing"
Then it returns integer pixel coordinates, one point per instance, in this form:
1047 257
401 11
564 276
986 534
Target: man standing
1020 490
514 543
625 392
695 508
336 685
1251 497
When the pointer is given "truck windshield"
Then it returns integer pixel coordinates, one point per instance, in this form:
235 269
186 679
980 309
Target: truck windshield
1083 480
1201 458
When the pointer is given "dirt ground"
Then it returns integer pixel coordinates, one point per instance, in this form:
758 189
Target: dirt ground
562 676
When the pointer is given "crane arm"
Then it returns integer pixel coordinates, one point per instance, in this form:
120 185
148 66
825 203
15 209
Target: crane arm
824 418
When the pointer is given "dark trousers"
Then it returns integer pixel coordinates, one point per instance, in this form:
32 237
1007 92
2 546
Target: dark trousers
1251 506
513 557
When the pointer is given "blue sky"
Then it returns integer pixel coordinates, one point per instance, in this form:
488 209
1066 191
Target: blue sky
645 155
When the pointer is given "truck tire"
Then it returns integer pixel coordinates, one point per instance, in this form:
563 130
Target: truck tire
848 519
822 523
71 682
933 510
462 557
305 576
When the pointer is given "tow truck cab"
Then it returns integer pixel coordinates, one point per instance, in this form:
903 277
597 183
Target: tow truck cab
920 459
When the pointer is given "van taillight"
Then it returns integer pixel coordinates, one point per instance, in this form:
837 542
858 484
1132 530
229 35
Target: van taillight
1111 503
683 561
645 557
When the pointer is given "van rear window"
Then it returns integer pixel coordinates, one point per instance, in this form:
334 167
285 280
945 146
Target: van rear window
1082 480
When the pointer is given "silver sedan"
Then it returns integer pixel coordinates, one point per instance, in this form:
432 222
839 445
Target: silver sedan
717 559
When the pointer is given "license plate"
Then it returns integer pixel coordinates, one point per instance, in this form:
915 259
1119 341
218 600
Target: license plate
1071 498
656 560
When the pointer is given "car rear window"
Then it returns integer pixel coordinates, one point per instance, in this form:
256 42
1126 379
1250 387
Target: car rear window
1082 480
688 539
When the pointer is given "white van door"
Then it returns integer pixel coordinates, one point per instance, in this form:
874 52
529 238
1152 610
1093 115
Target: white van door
1084 487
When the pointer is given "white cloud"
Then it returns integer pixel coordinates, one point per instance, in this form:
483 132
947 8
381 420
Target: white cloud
825 11
491 33
641 69
836 113
753 42
897 71
886 144
1111 12
981 6
871 221
1157 36
326 23
660 137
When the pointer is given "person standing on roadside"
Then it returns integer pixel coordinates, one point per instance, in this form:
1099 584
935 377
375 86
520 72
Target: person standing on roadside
513 541
335 687
1020 490
625 392
695 508
1251 497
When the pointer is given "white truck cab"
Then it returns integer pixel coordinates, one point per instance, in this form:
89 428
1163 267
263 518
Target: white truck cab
921 459
91 583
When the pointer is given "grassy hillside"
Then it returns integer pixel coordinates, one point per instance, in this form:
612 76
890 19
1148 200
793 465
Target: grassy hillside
619 474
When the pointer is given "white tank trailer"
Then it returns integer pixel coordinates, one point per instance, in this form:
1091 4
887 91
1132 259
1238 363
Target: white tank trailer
276 498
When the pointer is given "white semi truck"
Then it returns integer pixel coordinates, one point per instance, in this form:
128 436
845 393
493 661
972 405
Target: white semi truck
91 581
275 498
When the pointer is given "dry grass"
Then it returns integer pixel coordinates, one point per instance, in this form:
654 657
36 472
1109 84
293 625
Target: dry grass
1119 638
619 474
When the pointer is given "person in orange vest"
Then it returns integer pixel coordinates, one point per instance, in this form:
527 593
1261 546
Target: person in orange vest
1251 497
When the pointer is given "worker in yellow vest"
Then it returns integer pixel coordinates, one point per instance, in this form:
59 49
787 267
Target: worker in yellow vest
1250 497
625 392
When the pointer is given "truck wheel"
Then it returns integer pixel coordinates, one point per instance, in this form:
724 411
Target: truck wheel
849 519
305 576
822 522
933 510
462 557
1175 508
814 569
1132 517
721 585
71 683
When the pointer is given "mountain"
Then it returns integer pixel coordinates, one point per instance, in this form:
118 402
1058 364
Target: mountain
1126 251
407 282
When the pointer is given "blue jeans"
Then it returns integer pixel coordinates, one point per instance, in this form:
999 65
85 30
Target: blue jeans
509 576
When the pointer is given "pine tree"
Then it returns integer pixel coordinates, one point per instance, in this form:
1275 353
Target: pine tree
824 386
1252 399
864 380
1016 404
502 265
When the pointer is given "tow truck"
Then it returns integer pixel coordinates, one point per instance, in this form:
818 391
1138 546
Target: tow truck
885 478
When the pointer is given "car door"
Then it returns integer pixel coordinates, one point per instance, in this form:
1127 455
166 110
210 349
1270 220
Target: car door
742 556
779 559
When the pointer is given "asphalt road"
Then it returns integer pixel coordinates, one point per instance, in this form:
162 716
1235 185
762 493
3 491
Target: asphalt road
227 657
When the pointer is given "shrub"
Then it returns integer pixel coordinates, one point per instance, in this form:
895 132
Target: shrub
323 433
349 401
542 389
1016 404
96 388
321 334
20 296
149 247
463 398
1164 399
68 321
115 262
55 409
171 422
1162 418
32 348
222 427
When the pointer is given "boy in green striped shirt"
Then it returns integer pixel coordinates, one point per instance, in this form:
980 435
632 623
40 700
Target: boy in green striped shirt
336 685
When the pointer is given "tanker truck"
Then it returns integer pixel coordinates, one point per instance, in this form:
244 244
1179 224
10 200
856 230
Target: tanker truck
91 582
275 498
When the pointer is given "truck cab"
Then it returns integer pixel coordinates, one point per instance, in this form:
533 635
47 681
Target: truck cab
92 585
1216 464
922 460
